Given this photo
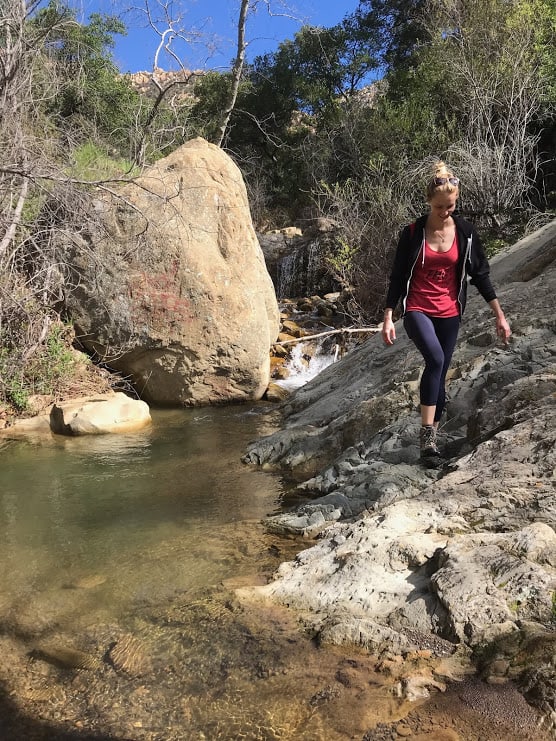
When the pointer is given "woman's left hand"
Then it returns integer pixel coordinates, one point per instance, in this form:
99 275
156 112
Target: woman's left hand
503 328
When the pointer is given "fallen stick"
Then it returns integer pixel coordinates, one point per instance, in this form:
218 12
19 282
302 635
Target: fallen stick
370 330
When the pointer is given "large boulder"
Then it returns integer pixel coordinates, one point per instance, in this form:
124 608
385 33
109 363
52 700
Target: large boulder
172 290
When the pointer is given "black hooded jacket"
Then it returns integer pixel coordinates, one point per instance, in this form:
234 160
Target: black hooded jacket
472 263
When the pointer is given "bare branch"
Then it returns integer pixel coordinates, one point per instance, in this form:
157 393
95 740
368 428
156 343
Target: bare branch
15 218
330 333
236 71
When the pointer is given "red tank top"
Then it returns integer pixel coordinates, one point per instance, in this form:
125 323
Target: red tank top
433 288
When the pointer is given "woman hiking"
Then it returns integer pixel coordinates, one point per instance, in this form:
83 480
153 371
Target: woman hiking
434 258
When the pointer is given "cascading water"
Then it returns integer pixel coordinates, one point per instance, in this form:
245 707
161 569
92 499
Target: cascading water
302 367
302 273
286 271
314 268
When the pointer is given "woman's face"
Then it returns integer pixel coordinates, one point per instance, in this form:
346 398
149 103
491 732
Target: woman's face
442 205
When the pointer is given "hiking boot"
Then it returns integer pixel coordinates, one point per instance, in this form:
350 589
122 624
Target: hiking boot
430 455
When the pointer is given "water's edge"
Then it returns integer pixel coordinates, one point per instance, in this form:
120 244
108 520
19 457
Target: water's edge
120 559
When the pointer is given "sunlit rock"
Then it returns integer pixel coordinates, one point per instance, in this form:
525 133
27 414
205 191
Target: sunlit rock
99 415
465 553
173 291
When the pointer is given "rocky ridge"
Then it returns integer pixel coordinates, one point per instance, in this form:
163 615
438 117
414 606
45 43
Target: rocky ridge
180 82
404 554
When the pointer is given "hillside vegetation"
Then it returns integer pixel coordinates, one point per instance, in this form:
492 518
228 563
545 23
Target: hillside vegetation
340 121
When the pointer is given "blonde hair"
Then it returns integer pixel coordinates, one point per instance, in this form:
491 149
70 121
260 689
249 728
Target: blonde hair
441 171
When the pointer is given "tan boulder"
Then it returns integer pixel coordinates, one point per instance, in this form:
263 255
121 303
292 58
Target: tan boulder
287 231
99 415
87 415
177 295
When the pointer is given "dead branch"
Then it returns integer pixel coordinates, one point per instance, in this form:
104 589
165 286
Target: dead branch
15 218
236 71
329 333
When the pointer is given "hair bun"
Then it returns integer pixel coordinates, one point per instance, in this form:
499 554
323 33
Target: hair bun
441 169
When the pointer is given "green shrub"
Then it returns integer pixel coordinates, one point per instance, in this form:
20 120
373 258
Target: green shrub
50 368
92 162
12 383
53 365
494 245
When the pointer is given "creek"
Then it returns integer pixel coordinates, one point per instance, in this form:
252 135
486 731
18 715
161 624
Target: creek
144 537
143 511
121 557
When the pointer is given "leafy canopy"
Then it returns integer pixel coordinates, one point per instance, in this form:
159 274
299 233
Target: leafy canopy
90 89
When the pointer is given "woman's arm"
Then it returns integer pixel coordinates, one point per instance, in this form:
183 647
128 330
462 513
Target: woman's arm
388 331
502 327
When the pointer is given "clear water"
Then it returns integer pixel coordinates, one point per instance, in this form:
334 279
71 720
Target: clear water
147 535
145 538
141 535
127 518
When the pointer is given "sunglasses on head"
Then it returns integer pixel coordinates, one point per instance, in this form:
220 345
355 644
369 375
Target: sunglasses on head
443 181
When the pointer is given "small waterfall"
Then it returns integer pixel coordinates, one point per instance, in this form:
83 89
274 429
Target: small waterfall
314 268
311 338
302 272
303 366
286 272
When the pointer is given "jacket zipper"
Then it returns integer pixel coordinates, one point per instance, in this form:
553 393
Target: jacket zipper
463 271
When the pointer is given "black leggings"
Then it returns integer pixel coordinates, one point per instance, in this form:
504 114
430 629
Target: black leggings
435 338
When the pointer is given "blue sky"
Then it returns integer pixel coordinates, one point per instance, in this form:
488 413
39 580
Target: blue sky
214 27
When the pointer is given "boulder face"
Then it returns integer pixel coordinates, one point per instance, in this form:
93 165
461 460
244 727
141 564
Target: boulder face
173 291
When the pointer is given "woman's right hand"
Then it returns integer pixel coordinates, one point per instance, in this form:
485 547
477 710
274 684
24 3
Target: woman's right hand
388 331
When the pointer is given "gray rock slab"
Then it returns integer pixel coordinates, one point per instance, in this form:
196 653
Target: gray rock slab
464 553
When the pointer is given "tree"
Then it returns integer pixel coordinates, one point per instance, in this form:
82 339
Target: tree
318 69
38 196
396 28
90 93
495 86
21 328
284 99
166 20
237 71
162 124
